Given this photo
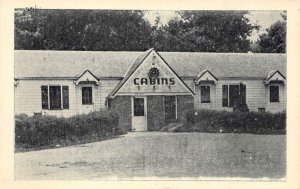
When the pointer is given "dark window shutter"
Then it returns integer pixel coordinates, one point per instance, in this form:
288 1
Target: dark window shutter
225 95
65 97
243 93
44 90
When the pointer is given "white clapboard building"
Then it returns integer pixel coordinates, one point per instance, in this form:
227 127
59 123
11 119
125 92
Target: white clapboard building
147 89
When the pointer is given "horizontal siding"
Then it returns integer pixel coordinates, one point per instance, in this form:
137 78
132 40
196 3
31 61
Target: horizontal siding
276 106
255 93
28 97
257 96
84 109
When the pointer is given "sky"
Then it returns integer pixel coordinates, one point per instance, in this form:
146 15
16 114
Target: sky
263 18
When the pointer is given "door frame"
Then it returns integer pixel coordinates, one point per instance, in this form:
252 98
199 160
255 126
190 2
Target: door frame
145 110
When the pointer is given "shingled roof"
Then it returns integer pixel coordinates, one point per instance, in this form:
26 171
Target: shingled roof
70 64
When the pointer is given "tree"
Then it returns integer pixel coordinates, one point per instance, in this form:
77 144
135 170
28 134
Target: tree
208 31
274 40
127 30
81 30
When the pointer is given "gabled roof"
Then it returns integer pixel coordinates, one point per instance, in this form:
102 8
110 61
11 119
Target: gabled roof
131 69
70 64
204 72
135 65
272 73
87 76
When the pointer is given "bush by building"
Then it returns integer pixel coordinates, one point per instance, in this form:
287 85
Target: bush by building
233 122
45 131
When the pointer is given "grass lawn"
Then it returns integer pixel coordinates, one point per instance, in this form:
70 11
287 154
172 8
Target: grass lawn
156 154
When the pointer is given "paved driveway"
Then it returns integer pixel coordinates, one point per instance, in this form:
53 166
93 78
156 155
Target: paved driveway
155 154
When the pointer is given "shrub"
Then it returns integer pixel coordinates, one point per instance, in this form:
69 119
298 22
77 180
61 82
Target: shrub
38 131
237 121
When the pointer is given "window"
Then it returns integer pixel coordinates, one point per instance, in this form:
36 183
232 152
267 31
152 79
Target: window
232 93
205 94
170 107
274 93
139 109
87 95
55 97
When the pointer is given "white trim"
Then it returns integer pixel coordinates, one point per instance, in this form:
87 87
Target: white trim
199 77
152 94
87 85
168 67
228 101
205 85
270 93
96 80
145 110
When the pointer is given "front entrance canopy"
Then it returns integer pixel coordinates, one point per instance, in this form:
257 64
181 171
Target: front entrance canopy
151 75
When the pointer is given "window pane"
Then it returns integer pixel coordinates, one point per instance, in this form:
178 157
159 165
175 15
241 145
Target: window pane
55 97
205 94
225 95
139 109
65 97
233 94
87 97
44 90
170 107
274 93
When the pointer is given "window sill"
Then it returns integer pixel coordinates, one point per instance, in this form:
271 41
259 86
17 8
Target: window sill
54 109
207 102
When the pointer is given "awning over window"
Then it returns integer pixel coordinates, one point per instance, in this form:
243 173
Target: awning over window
206 77
87 77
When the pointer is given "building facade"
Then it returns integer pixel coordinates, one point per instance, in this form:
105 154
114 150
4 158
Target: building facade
147 89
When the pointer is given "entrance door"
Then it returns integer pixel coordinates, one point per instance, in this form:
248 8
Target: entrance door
139 117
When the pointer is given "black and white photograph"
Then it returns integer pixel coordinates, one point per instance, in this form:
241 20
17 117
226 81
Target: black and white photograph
150 94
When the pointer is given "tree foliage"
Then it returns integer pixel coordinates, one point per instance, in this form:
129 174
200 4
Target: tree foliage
81 30
204 31
274 40
208 31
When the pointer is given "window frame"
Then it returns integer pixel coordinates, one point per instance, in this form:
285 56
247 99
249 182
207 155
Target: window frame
135 112
90 97
201 100
49 99
228 94
176 106
278 95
